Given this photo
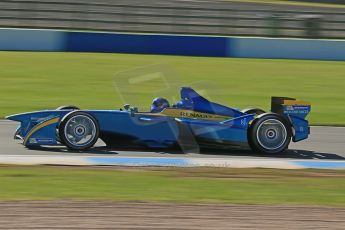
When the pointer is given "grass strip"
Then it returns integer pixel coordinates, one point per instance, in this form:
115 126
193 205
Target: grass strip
201 185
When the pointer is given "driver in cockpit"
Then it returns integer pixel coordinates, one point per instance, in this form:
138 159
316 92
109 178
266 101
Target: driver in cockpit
159 104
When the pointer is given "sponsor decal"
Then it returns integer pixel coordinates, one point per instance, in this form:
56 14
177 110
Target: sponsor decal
296 109
44 140
41 140
32 141
194 115
300 107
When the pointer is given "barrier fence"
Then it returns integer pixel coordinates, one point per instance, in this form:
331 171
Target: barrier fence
177 17
52 40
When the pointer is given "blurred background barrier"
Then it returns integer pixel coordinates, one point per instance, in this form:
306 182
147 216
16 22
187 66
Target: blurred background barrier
32 40
211 17
316 49
206 27
50 40
146 44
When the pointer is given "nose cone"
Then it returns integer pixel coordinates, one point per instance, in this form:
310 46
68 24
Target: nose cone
19 117
38 115
30 115
15 117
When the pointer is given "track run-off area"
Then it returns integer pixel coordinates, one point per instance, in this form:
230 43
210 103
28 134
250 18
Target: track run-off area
324 149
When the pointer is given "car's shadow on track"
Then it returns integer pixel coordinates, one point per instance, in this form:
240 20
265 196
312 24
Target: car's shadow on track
303 154
63 150
291 153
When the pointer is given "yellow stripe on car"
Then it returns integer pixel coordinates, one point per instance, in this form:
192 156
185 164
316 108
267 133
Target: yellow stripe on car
295 102
40 126
192 114
184 113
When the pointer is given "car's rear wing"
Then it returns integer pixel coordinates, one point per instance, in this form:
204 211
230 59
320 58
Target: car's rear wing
290 106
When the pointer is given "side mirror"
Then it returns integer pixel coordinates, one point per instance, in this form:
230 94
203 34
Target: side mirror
126 106
134 109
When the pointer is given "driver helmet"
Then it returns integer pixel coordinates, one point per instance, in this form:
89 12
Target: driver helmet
159 104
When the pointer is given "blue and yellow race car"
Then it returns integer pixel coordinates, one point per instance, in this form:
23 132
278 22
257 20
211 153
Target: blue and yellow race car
192 122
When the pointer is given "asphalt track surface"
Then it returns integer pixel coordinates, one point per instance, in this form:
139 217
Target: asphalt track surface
326 143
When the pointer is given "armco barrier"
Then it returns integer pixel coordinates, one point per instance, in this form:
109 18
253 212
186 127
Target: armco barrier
287 48
32 40
147 44
50 40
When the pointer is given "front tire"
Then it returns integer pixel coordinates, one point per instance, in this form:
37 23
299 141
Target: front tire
270 134
79 131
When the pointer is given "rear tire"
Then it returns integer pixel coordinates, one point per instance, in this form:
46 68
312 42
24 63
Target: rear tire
78 131
269 133
256 111
67 107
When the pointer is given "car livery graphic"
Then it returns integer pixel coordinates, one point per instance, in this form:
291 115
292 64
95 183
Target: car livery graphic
192 122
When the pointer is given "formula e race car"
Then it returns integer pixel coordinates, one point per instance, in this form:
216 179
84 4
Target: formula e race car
193 121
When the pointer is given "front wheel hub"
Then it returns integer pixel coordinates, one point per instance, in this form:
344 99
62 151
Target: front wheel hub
80 130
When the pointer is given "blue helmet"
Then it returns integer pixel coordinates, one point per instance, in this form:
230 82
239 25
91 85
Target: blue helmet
158 104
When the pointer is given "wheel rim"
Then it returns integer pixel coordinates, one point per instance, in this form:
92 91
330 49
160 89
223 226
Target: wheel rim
271 134
80 130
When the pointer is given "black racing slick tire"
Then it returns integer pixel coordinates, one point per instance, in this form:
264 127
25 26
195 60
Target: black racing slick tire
256 111
269 133
68 107
78 131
